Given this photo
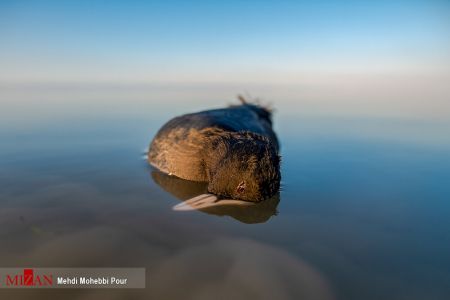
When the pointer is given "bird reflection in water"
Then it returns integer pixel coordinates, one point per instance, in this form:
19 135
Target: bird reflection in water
249 213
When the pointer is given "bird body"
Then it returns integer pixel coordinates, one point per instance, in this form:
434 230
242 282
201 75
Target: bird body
234 149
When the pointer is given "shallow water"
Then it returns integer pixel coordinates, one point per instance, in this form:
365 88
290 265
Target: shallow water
363 212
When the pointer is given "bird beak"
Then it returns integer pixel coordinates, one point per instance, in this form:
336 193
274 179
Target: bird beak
209 200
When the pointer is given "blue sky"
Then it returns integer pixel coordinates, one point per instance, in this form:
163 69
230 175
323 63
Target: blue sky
146 41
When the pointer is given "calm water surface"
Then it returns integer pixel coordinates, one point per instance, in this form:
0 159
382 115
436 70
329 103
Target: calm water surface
363 213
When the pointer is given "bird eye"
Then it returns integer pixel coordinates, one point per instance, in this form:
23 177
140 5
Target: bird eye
241 187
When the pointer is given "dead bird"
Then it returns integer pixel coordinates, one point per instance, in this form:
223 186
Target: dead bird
233 149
